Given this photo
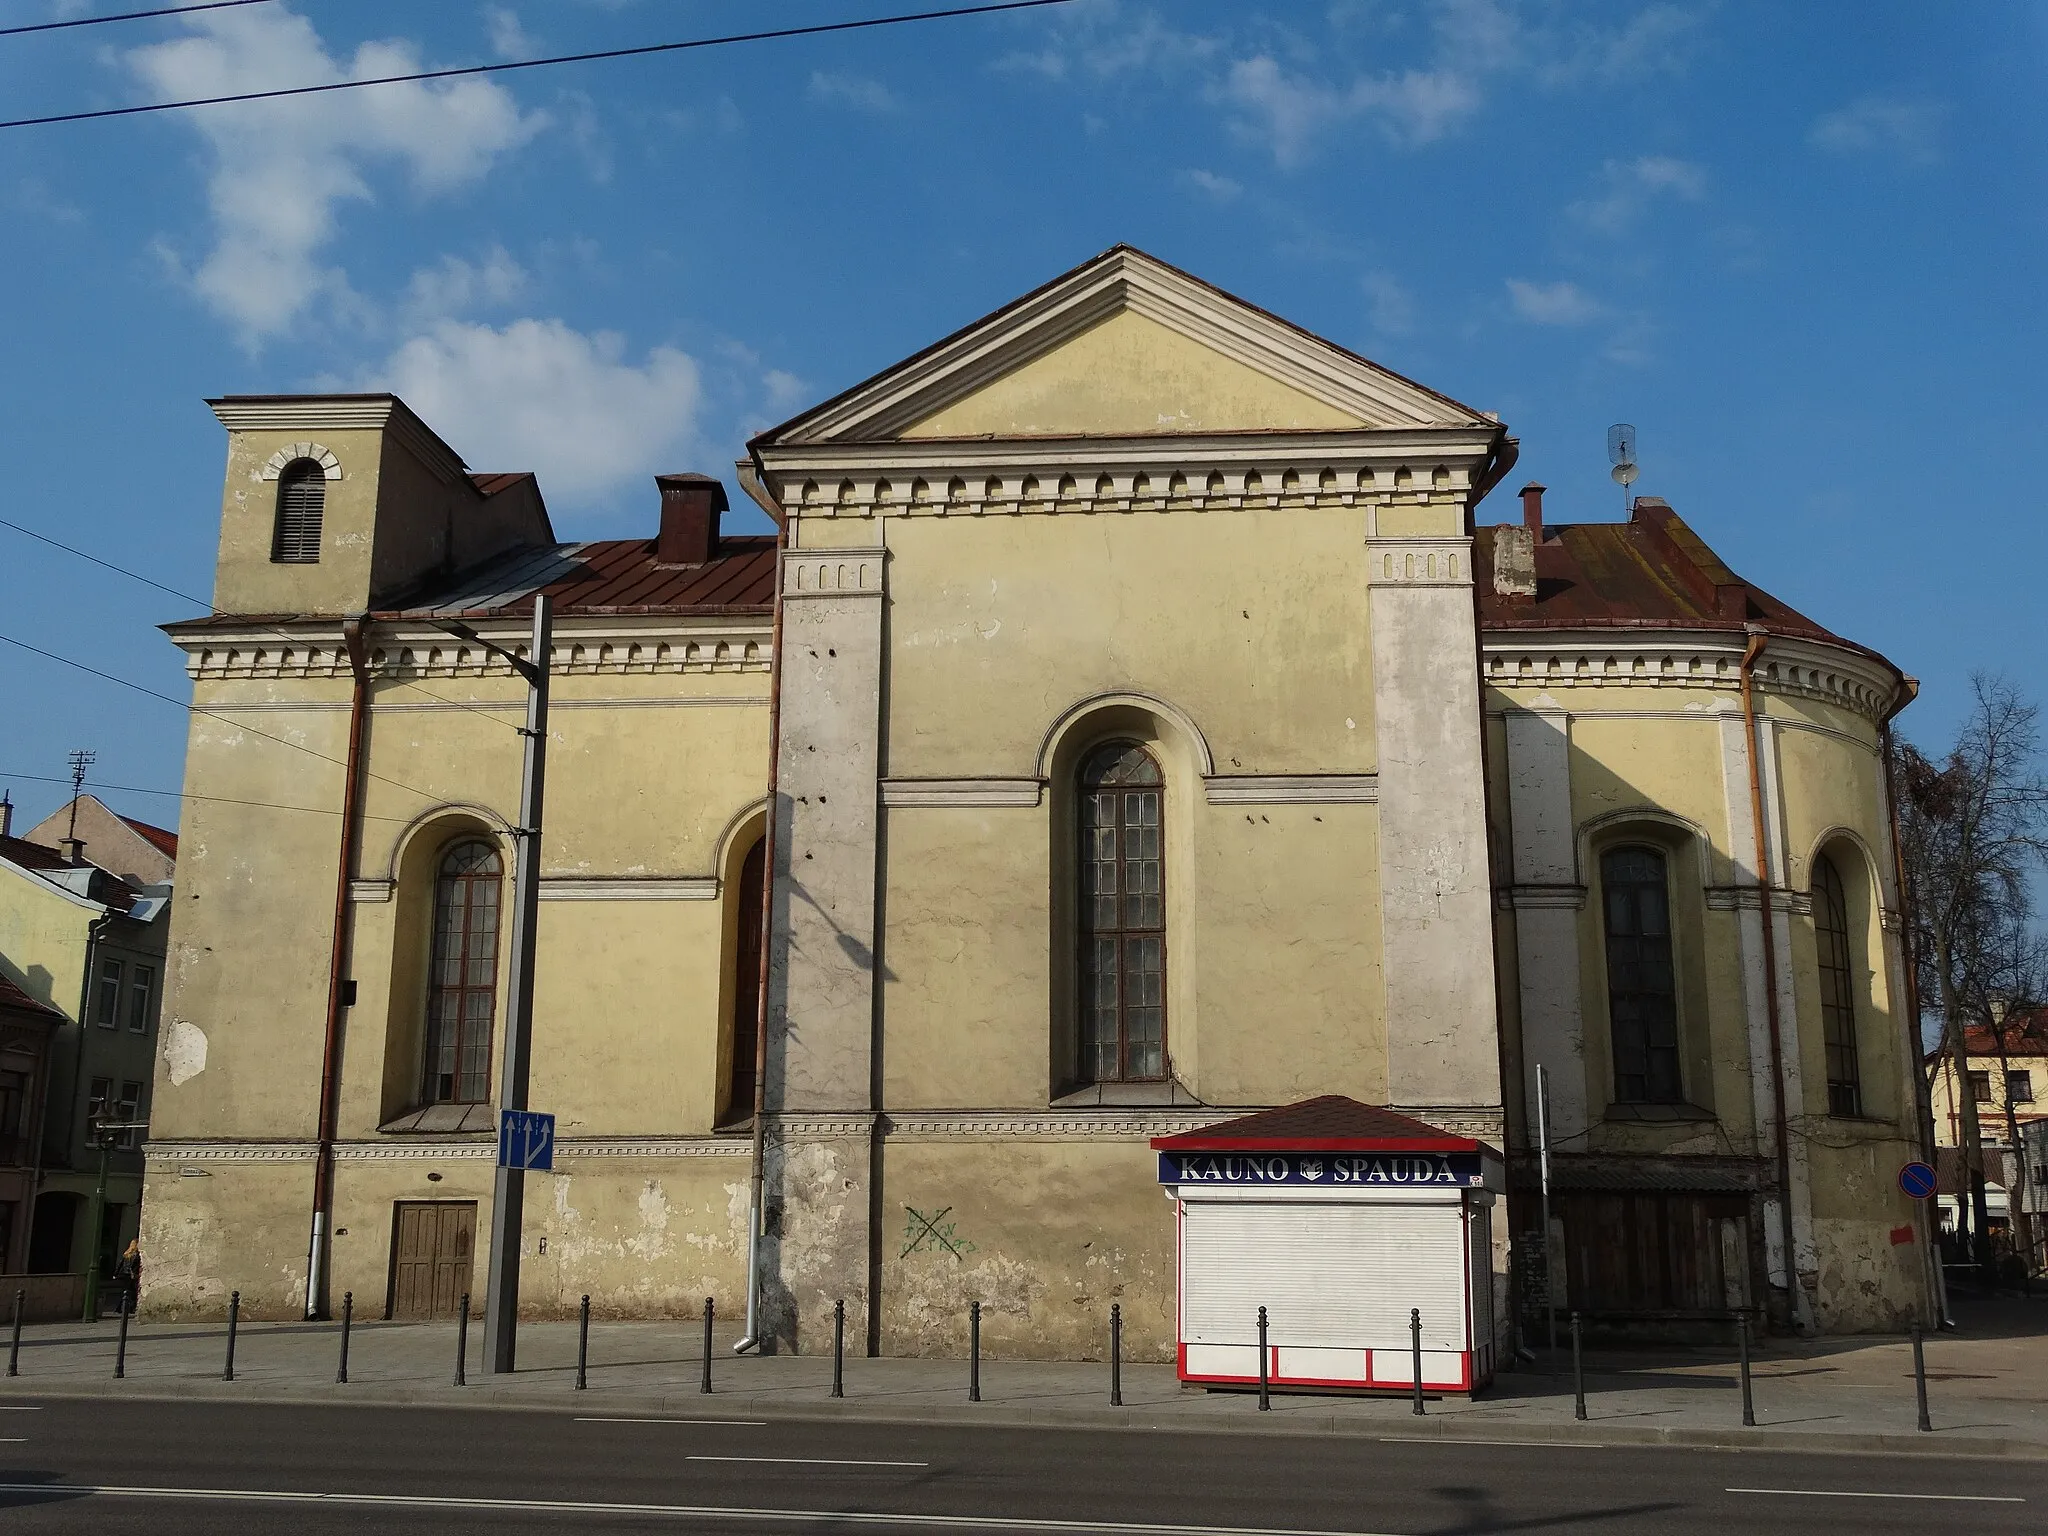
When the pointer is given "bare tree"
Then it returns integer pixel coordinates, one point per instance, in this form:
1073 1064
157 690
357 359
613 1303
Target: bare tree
1973 827
2014 987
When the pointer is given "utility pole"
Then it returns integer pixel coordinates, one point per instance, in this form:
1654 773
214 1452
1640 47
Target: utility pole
501 1295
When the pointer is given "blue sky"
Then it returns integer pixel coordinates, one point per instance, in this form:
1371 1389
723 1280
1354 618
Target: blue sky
1799 247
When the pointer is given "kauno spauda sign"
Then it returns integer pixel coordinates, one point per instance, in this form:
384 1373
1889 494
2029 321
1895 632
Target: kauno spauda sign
1446 1170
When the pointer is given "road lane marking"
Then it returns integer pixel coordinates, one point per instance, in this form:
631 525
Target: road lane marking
1455 1440
810 1461
1847 1493
678 1511
740 1423
18 1408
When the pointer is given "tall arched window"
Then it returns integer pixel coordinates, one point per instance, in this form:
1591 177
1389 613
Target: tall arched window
301 502
1122 916
746 985
1837 988
1642 1003
462 988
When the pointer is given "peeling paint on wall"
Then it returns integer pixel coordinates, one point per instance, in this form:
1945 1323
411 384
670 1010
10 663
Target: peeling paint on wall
184 1051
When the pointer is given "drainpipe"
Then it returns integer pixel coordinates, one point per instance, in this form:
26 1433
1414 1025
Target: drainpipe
352 638
1795 1296
756 487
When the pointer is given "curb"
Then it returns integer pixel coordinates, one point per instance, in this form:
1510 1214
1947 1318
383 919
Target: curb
1294 1422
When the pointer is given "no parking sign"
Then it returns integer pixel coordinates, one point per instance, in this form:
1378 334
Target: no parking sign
1917 1180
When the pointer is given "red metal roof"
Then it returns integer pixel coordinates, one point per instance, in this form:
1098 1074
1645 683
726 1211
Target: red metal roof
14 1000
609 576
161 839
1332 1123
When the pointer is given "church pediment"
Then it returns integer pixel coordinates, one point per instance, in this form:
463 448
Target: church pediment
1124 346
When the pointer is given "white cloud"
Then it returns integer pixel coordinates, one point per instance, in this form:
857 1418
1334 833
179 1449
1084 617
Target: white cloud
856 91
1393 307
508 38
455 286
281 168
1559 303
1629 186
785 390
1289 112
1910 131
1222 188
540 395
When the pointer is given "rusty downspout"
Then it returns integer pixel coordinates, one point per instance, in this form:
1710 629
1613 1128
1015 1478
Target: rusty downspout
1758 639
757 487
353 631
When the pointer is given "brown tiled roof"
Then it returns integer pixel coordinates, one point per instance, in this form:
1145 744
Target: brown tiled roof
1331 1123
2024 1034
14 1000
161 839
31 855
610 576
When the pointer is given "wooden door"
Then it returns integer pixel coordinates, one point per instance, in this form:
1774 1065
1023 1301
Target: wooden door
431 1244
1655 1254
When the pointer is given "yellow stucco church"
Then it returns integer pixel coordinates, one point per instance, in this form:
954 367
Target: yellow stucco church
1130 727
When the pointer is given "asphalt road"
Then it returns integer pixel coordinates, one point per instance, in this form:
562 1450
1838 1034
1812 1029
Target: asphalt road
112 1467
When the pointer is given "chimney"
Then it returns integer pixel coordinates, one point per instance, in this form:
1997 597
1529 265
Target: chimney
74 851
690 505
1514 563
1532 508
6 817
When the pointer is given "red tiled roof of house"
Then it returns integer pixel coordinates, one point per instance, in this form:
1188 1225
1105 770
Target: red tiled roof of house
161 839
31 855
14 1000
1331 1123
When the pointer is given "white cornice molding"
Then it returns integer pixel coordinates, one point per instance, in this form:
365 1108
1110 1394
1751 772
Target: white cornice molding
1021 794
1124 1124
834 572
679 888
342 413
1292 789
1117 281
1418 561
1041 479
1743 898
1563 658
409 1148
402 651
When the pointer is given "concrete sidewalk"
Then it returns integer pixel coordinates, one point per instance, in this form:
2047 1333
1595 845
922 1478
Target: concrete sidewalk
1987 1385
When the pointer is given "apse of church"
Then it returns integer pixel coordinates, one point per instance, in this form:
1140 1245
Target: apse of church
1150 737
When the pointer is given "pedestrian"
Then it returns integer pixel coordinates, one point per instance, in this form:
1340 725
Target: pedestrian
128 1275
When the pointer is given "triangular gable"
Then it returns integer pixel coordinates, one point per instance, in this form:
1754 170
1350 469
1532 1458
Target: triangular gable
1125 345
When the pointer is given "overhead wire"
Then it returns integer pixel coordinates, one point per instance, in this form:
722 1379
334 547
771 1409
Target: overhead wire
240 725
101 21
180 794
817 29
270 629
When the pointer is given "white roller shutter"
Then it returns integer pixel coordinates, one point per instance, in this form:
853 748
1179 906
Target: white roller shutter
1329 1275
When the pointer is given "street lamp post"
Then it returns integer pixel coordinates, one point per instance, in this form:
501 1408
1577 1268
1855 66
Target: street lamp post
106 1134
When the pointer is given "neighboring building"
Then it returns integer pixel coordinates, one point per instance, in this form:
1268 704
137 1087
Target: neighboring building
26 1029
136 851
2007 1079
1155 739
80 940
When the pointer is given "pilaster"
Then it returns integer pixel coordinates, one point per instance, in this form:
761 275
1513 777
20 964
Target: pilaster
1547 900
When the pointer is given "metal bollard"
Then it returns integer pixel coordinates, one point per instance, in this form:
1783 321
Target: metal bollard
14 1342
234 1319
974 1352
1265 1385
583 1346
462 1344
348 1320
709 1312
1116 1355
1742 1344
121 1348
1920 1379
839 1349
1578 1372
1415 1351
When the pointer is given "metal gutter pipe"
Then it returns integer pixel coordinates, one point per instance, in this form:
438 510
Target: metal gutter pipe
755 486
1795 1296
352 636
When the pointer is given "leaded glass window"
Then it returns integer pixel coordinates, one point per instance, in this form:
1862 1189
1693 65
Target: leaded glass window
1837 989
463 984
1123 916
1642 1003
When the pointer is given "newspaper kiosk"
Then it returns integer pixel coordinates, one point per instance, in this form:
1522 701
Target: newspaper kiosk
1338 1218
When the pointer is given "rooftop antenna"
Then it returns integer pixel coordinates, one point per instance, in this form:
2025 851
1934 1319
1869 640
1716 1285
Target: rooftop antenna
1621 453
80 761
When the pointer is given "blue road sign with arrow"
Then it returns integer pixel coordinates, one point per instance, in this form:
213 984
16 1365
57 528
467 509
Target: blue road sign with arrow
1917 1180
526 1139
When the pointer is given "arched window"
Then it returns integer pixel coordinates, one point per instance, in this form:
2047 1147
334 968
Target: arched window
1642 1003
1122 916
746 986
1837 988
462 987
301 501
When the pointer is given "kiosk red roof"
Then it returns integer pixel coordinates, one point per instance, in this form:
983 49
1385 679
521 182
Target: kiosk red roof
1331 1123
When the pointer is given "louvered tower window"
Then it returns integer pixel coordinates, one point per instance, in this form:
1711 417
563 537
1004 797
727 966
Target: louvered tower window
301 499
